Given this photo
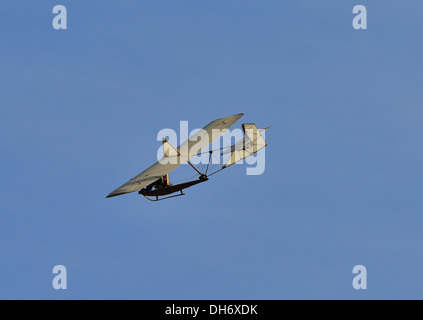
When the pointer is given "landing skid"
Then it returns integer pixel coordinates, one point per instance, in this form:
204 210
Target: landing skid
162 187
157 197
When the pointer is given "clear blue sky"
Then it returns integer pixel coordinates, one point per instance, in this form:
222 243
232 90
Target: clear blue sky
80 110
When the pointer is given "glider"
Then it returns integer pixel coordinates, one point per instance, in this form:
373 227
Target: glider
154 181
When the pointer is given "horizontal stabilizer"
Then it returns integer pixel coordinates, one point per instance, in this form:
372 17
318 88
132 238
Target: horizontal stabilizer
248 146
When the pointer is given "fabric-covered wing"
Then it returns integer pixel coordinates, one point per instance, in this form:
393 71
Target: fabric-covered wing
145 178
207 135
189 148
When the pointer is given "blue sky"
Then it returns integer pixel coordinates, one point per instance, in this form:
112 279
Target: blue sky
81 108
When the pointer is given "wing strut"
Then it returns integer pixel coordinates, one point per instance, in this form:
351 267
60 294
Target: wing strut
189 162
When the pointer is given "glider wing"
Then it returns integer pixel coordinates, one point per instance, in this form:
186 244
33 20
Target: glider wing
171 159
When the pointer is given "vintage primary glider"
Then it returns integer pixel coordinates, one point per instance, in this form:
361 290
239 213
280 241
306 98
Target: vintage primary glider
154 181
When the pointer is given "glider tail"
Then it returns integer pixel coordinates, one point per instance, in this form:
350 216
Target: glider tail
253 142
